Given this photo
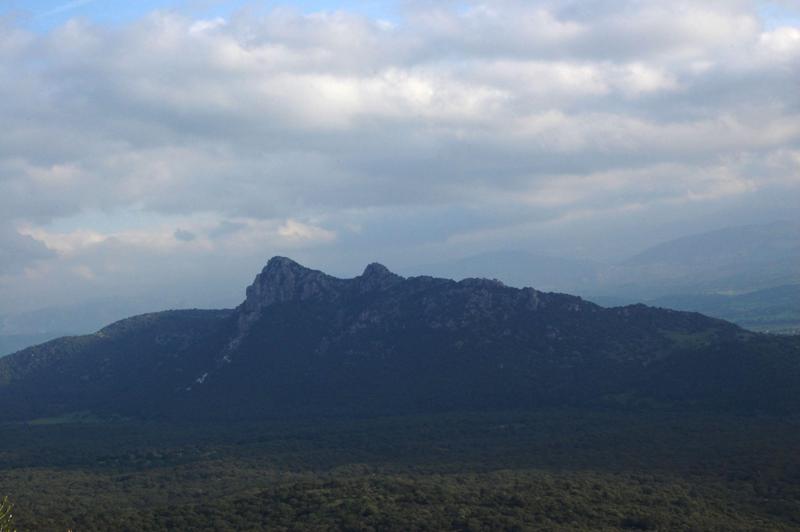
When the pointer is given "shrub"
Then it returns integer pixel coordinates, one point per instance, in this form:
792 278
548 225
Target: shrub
6 516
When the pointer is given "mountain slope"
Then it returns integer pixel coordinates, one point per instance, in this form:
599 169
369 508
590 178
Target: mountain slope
305 343
11 343
125 367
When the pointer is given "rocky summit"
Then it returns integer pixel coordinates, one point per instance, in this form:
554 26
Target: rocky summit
304 343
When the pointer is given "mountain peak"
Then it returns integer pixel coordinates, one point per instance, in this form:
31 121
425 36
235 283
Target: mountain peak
377 276
376 269
278 263
283 279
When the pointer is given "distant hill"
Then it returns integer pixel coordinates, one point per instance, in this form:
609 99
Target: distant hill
775 310
731 260
772 310
305 343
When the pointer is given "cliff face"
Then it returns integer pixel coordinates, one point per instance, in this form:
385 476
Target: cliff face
306 343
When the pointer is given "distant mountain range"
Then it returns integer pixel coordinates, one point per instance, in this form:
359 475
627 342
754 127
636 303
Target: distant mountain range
304 343
774 310
732 260
749 275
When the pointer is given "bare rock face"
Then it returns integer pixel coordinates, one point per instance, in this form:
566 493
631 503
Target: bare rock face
283 280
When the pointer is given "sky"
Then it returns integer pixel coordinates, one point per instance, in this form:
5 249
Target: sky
167 149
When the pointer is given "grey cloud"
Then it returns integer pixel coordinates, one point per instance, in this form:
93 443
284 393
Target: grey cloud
209 119
461 125
20 251
226 227
184 236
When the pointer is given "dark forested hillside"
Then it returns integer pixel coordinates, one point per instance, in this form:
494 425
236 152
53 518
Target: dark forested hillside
307 343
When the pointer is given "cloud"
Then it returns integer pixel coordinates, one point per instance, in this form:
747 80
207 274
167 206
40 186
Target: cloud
18 252
296 231
336 135
184 236
225 228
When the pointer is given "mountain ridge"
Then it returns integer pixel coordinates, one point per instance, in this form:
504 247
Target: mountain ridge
661 275
307 343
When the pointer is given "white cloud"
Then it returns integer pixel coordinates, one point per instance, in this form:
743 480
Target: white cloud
783 41
296 231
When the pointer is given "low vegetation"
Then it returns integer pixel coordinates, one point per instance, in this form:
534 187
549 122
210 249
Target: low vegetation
6 516
561 469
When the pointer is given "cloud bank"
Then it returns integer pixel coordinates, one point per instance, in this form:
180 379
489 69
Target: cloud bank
131 154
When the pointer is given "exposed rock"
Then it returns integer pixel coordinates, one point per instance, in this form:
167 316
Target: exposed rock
283 279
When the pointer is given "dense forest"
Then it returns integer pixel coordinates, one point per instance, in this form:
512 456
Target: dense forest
558 469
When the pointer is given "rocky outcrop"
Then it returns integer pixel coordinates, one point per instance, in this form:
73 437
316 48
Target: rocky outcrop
283 279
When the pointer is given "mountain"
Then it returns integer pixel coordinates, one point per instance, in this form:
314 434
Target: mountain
747 275
11 343
730 260
305 343
696 272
